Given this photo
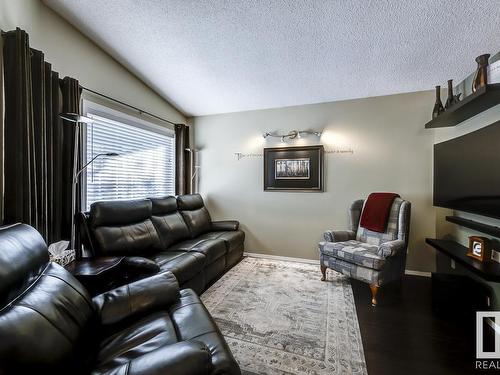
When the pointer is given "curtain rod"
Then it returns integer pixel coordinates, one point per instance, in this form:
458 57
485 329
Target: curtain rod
141 111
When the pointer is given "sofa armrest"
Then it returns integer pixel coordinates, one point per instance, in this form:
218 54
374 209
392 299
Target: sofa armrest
339 235
181 358
139 266
225 225
391 248
142 296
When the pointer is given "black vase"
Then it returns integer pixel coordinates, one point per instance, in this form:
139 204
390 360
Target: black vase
481 76
438 106
452 99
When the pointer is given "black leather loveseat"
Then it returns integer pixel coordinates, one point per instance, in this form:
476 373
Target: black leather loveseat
177 234
50 325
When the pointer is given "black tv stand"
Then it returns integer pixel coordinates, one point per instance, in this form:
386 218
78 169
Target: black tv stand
489 270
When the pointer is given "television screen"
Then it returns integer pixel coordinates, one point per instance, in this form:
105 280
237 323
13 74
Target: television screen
467 172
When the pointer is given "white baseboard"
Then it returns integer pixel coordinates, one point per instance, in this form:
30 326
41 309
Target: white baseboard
316 262
278 257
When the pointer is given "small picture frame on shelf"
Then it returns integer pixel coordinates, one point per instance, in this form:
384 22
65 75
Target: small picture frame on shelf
479 248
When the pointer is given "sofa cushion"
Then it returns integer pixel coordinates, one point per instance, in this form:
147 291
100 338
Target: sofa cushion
194 214
233 239
182 264
134 239
190 202
124 227
116 213
355 252
198 221
163 206
193 322
211 249
168 221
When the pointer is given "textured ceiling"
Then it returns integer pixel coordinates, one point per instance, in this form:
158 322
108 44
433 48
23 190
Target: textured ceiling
215 56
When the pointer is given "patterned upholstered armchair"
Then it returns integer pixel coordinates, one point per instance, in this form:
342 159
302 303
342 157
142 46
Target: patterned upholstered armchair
372 257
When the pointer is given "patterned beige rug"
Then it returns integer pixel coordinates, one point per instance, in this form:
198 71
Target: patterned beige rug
279 318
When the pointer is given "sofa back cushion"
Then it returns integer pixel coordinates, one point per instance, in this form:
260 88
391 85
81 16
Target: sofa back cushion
46 315
123 227
23 256
168 222
194 213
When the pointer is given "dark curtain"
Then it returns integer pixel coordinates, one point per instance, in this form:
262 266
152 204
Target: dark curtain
36 142
182 160
71 93
19 173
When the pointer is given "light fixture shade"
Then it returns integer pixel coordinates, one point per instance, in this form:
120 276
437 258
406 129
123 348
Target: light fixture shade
75 117
292 134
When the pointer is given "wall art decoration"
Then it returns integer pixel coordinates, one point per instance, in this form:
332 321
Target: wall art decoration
293 169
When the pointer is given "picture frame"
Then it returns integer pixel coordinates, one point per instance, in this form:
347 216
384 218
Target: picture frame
479 248
298 169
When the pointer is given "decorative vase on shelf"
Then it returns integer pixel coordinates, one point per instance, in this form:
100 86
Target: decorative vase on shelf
481 76
438 106
452 99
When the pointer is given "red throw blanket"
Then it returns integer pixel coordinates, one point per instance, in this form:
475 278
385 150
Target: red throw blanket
376 211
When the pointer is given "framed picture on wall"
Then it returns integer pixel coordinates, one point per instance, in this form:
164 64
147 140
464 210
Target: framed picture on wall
293 169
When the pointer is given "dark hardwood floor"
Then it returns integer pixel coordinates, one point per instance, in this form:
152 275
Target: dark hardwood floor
403 336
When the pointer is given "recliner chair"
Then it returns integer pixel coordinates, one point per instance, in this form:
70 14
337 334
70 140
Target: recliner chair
50 325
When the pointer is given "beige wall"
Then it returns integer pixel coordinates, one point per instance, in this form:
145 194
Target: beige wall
392 152
72 54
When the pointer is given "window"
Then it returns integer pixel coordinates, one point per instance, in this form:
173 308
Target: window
144 166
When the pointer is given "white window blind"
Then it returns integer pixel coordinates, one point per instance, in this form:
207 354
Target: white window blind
143 168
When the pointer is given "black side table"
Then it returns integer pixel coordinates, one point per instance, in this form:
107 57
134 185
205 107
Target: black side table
97 274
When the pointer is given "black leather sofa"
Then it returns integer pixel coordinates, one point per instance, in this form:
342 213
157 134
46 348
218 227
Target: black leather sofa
50 325
177 234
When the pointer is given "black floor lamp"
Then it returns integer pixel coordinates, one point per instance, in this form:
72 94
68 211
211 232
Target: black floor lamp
77 120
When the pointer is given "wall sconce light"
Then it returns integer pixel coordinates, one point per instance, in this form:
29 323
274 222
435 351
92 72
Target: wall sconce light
292 134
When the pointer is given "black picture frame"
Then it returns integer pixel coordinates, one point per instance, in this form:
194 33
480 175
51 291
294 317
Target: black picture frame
298 169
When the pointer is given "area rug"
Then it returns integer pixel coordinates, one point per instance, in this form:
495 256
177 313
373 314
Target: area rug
279 318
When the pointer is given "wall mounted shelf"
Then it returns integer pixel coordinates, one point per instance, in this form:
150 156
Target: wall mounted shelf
489 270
473 104
471 224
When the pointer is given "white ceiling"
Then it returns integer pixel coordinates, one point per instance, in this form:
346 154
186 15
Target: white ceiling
216 56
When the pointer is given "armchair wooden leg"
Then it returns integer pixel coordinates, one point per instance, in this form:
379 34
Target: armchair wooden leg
323 272
374 289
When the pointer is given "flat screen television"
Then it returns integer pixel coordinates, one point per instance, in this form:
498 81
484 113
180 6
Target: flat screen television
467 172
